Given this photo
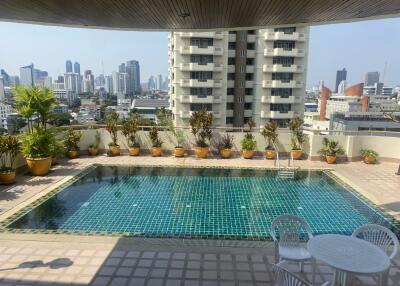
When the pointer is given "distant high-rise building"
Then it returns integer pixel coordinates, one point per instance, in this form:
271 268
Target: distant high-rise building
6 77
14 80
77 68
371 78
151 83
68 66
159 82
133 70
26 76
115 82
60 79
89 77
100 81
72 82
342 87
341 75
48 82
2 93
122 68
39 77
109 84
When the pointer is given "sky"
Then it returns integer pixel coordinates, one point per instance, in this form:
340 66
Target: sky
359 47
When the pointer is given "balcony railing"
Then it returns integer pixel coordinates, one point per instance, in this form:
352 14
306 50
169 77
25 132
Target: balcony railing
284 53
276 36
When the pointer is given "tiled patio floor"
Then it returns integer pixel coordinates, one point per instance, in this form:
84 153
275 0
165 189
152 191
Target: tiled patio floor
61 260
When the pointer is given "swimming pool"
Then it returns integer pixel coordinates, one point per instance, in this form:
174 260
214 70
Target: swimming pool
195 202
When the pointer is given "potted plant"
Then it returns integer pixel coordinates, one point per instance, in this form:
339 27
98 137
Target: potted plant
297 137
10 146
225 146
248 143
71 143
36 104
155 142
129 129
57 148
369 156
269 132
200 123
330 150
93 149
179 134
112 127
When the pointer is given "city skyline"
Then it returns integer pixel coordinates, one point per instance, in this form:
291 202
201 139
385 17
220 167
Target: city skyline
150 49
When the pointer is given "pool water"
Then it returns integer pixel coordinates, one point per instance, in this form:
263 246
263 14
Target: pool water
197 202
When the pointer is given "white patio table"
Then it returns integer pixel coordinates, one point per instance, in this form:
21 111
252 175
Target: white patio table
349 256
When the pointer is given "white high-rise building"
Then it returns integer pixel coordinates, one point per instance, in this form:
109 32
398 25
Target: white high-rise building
26 76
258 74
115 82
109 83
72 81
48 82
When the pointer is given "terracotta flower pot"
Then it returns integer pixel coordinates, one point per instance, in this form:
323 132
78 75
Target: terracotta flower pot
330 159
72 154
7 177
53 160
201 152
39 166
296 154
225 153
270 154
115 150
156 151
179 152
247 154
134 151
369 159
93 151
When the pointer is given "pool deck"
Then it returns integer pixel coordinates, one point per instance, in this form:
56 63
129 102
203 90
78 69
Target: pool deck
34 259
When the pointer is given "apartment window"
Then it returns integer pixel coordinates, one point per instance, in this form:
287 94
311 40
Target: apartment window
229 120
201 42
231 76
201 91
232 32
230 106
248 105
173 103
251 32
282 76
285 61
231 61
282 123
201 75
243 37
242 69
243 53
286 45
251 46
200 106
249 76
242 83
248 91
201 59
230 91
240 99
286 30
283 108
250 61
282 92
232 45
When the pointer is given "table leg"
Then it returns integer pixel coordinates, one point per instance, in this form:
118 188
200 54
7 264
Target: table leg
342 278
313 265
383 278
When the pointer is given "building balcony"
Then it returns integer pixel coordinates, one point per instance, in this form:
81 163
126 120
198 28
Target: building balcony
230 83
229 98
284 53
232 37
210 50
282 68
281 84
277 99
251 38
231 53
249 84
185 98
229 113
201 83
214 35
251 53
277 114
200 67
248 113
276 36
250 69
231 68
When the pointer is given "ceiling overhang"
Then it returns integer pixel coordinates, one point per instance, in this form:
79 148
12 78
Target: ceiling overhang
173 15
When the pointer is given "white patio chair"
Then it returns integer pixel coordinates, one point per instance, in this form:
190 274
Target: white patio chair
288 247
381 237
281 276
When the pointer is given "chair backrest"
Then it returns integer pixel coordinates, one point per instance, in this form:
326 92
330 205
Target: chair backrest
380 236
283 277
289 228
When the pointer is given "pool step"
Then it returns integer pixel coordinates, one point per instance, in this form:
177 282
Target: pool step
286 174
